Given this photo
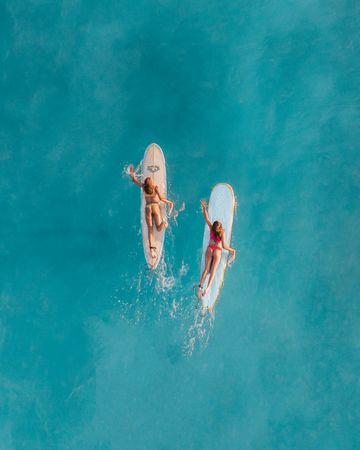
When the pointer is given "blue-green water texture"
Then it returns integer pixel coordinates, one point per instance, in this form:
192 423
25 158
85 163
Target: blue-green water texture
96 351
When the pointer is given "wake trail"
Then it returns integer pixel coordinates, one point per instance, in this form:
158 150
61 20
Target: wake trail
164 293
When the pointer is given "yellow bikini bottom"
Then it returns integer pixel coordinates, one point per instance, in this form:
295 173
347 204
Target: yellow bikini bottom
151 206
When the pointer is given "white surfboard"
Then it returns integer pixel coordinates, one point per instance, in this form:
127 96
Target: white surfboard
221 207
153 166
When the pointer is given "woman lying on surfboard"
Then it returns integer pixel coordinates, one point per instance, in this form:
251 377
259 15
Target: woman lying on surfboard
217 243
153 198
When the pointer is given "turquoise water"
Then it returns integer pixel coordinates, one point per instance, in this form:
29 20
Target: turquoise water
95 351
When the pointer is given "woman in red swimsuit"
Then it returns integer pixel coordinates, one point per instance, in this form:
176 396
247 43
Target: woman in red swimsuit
213 253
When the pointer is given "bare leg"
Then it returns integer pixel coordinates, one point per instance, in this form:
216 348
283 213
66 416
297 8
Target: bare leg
159 222
149 223
208 258
216 261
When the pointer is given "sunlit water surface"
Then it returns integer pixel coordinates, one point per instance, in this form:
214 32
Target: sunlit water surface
96 352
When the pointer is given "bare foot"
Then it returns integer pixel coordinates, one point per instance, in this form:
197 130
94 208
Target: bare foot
200 293
153 253
205 291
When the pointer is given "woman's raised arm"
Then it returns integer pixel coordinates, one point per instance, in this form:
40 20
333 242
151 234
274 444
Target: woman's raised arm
205 212
133 176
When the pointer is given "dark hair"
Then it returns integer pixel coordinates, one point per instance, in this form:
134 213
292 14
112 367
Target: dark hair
217 233
147 188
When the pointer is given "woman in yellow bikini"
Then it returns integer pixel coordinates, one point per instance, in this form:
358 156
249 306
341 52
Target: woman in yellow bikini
152 207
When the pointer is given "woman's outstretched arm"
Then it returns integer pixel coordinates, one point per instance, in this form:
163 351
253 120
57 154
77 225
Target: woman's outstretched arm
165 200
205 212
133 176
227 247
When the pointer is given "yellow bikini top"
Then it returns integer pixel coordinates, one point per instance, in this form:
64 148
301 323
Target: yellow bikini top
151 195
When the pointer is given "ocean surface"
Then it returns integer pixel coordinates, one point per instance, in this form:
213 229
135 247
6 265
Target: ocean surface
97 352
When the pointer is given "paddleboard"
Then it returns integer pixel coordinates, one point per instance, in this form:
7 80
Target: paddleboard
221 207
153 166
